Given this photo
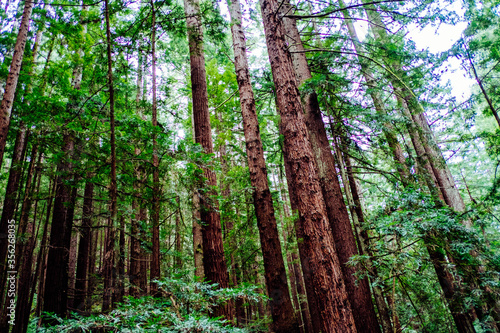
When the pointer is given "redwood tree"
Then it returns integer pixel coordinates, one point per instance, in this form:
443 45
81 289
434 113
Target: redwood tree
321 268
284 319
215 268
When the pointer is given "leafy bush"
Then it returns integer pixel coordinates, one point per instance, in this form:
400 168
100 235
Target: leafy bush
184 306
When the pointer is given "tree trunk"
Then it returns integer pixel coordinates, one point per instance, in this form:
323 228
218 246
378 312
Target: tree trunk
155 213
392 141
320 264
60 236
345 244
120 264
84 247
9 207
178 235
197 237
136 257
11 84
293 261
73 257
42 255
213 253
354 201
284 319
23 306
109 260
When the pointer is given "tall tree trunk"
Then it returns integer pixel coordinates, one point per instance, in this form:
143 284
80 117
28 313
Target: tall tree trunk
11 84
388 130
352 194
320 264
155 213
73 257
197 237
109 260
9 207
284 319
442 183
178 235
136 257
120 264
42 256
294 262
213 253
84 247
15 171
23 306
62 221
345 244
60 236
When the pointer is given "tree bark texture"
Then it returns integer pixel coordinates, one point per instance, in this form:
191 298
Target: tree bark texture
15 69
282 312
345 244
215 268
320 264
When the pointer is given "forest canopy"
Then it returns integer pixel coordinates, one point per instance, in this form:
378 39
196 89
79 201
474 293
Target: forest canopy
255 166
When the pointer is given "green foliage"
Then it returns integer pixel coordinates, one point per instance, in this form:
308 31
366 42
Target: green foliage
184 306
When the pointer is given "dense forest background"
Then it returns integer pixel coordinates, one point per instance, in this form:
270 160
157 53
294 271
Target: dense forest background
248 167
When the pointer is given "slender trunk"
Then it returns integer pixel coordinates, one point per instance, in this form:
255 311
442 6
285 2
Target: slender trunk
137 202
388 130
42 256
293 263
213 253
73 257
284 319
11 84
84 247
353 198
120 264
155 214
109 260
178 235
422 135
9 207
26 249
320 264
483 90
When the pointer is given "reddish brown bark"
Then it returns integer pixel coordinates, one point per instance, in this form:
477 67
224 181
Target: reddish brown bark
213 253
284 319
320 264
109 257
345 244
15 69
197 237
